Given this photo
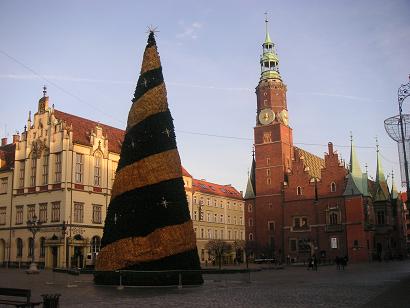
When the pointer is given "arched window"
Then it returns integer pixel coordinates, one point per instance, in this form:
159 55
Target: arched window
299 191
333 187
268 181
19 244
42 247
95 244
30 247
250 222
251 236
333 219
97 169
249 208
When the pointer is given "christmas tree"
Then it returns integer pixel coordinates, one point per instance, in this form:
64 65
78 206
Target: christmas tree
148 226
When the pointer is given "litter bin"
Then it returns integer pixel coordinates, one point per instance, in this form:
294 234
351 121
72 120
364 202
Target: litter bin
50 300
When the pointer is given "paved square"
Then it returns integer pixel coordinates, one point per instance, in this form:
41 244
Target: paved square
372 285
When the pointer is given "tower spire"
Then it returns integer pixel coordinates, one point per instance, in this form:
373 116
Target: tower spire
382 190
269 60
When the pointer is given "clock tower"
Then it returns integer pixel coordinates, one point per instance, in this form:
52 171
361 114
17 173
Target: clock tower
273 148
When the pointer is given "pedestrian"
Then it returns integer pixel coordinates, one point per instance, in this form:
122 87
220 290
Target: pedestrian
337 261
343 262
310 263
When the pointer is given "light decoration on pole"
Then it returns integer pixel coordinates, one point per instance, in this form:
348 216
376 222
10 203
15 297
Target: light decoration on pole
397 128
33 225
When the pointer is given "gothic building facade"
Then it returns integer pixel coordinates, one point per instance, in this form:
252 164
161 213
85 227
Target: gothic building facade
298 204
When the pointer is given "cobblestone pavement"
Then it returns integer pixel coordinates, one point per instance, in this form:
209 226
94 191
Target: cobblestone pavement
368 285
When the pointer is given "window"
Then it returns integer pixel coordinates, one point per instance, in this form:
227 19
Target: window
271 225
268 161
2 215
58 168
30 247
251 236
208 217
229 219
300 223
215 217
33 171
267 172
43 212
250 222
208 201
114 170
229 234
234 220
97 170
42 247
355 243
195 215
19 214
19 244
249 208
45 170
97 214
3 185
95 244
221 218
221 232
215 234
202 232
31 211
78 212
21 174
333 187
55 211
240 221
209 233
380 217
333 218
235 235
299 191
292 245
194 199
268 181
79 167
333 242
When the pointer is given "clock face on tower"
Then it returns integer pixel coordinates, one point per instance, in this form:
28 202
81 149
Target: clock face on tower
284 116
266 116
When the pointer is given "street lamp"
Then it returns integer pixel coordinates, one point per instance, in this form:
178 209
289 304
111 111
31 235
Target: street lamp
396 128
63 234
33 225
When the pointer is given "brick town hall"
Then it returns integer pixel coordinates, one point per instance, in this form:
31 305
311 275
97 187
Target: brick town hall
298 204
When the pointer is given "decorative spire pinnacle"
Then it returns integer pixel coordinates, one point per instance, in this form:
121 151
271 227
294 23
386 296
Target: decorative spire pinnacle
44 91
354 162
379 170
29 116
267 36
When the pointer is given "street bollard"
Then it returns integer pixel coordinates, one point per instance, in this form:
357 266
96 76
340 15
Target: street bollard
120 287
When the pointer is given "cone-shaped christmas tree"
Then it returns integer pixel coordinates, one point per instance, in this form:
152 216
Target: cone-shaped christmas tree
148 226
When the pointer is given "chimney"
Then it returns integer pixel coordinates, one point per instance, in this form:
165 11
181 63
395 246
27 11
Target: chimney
16 138
3 141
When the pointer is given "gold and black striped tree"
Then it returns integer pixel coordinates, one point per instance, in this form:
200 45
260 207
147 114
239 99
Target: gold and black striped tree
148 226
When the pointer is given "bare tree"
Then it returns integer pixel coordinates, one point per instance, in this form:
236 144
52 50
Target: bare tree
218 248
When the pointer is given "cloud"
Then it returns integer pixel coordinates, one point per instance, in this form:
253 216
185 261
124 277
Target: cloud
189 31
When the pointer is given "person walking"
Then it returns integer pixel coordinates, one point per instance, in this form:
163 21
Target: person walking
337 261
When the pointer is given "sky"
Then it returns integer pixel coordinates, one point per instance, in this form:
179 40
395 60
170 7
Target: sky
342 62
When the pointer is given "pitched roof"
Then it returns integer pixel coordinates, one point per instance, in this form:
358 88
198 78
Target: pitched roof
312 163
185 173
7 153
83 127
216 189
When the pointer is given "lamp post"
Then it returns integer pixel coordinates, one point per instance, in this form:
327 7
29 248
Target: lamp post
33 225
402 93
63 234
396 128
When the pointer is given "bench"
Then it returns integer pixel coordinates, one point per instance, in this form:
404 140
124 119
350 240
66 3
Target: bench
8 297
